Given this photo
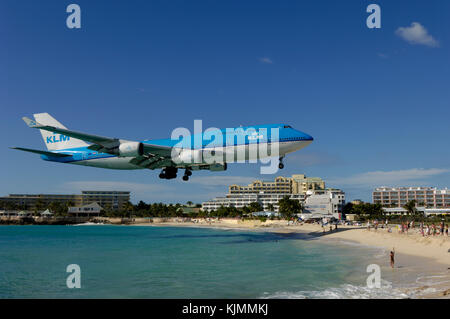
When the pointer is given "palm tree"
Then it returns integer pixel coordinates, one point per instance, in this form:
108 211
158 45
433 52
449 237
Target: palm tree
288 208
129 207
411 207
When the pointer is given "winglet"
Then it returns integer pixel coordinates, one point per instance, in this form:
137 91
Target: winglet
30 122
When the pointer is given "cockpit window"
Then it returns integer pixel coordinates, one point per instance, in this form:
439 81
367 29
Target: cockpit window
287 126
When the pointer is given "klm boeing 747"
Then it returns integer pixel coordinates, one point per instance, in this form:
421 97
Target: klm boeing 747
209 150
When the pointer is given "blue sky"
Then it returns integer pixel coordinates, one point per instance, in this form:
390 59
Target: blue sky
377 101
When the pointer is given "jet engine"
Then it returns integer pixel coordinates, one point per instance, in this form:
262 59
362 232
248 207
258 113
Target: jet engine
130 149
187 156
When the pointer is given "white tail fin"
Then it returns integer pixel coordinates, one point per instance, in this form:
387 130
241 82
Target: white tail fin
55 141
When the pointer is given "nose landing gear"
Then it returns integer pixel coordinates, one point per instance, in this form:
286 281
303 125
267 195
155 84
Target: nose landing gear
281 165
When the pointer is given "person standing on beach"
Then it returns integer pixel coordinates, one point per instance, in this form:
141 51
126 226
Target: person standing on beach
392 256
442 228
446 229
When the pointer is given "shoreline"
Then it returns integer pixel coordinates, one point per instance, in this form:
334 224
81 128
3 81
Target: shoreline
438 247
430 255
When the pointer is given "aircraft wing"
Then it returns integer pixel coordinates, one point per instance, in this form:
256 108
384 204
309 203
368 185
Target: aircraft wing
101 143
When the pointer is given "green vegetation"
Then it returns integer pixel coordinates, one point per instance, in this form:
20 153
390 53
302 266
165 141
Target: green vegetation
365 211
288 208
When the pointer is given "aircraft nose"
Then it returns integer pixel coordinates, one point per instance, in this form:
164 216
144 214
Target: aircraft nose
305 137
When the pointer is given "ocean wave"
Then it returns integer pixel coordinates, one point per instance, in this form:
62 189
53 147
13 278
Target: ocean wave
346 291
433 280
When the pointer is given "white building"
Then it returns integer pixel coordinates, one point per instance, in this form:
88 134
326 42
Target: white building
266 214
326 204
242 200
317 199
86 210
423 210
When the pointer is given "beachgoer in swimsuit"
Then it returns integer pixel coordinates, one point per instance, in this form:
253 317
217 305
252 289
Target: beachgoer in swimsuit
392 255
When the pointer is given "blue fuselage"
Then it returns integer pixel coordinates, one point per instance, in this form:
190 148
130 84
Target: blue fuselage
283 136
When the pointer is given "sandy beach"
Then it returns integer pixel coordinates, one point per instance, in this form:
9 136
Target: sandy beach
433 251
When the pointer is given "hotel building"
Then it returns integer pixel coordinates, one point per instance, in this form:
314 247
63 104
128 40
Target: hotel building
309 190
424 196
106 199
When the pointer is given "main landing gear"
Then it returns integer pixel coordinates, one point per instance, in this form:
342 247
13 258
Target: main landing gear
281 165
169 173
187 173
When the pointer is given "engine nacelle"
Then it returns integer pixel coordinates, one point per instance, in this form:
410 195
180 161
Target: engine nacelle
187 156
131 149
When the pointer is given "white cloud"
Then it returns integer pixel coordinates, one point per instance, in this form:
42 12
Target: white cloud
212 181
265 60
113 185
389 178
416 34
173 191
309 158
138 190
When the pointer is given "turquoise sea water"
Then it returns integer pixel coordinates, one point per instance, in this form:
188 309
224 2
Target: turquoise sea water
176 262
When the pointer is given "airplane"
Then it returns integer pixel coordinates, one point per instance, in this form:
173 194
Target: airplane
72 147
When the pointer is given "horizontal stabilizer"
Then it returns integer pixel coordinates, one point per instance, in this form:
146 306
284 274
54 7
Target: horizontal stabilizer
41 152
29 122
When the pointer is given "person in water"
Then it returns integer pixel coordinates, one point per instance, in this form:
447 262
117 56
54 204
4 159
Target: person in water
392 255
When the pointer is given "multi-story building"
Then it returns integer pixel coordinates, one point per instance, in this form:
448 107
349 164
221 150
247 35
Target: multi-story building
428 197
266 200
269 193
331 202
106 199
301 184
297 184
